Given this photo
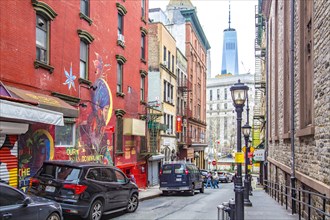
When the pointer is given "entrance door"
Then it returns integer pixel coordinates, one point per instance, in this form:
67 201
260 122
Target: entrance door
154 173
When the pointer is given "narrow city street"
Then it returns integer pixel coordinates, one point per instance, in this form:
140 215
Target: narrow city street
181 206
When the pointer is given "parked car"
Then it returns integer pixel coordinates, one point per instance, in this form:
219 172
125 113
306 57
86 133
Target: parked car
15 204
180 177
225 176
204 175
85 189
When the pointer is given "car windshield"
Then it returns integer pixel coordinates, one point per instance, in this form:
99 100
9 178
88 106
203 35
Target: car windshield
60 172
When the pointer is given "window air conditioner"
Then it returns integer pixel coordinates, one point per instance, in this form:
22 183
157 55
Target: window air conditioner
164 63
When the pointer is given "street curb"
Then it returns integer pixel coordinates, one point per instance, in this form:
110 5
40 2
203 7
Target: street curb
150 197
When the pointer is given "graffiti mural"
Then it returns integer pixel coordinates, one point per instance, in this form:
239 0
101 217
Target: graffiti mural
36 146
69 78
96 142
8 159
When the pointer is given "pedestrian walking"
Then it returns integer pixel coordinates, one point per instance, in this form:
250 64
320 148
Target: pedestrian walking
216 180
209 180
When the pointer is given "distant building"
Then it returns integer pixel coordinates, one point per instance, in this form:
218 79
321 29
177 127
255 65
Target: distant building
184 25
221 115
229 51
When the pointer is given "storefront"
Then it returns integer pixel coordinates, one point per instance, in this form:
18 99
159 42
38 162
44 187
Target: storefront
154 166
16 116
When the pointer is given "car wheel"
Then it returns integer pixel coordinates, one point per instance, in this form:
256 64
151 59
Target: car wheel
192 191
201 190
95 212
54 216
133 203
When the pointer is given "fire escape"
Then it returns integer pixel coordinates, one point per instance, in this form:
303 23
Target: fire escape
154 111
259 79
184 87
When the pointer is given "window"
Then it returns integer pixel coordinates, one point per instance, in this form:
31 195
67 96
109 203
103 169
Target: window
172 64
142 88
84 7
143 11
85 39
44 14
225 105
225 93
143 46
164 55
286 67
218 106
306 107
42 32
169 60
10 196
218 94
120 24
65 135
210 95
119 135
119 77
83 59
120 178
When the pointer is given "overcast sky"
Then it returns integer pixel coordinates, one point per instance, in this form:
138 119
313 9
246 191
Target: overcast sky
213 16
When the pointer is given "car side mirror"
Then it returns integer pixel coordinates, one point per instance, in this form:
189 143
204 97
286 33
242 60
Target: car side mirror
26 201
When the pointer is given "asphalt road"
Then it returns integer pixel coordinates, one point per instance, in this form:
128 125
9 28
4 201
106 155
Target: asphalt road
181 206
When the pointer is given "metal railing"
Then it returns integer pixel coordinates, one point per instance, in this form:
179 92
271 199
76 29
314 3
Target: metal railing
282 193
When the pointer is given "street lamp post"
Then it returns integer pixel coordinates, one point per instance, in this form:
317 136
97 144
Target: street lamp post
239 94
246 129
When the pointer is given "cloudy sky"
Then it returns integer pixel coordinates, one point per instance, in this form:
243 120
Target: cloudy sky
213 16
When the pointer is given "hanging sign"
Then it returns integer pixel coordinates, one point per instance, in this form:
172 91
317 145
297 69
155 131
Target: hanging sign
239 157
178 124
259 155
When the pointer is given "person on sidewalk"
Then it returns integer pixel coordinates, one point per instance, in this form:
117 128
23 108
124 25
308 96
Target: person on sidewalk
209 180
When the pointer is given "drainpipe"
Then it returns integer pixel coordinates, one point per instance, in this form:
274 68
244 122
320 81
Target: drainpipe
293 177
267 130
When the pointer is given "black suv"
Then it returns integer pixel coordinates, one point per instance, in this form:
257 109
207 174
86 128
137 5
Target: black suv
180 177
85 189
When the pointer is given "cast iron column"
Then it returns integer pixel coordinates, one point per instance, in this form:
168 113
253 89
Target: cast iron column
239 185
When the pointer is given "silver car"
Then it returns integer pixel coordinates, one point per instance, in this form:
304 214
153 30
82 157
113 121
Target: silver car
14 204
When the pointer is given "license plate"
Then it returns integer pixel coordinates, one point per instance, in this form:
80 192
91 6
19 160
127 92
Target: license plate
50 189
178 179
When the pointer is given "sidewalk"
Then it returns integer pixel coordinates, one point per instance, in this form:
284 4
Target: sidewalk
263 207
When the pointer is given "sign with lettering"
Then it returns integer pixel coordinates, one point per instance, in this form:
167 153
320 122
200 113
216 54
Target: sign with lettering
259 155
178 124
239 157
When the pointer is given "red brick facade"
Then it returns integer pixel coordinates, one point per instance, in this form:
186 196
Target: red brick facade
67 28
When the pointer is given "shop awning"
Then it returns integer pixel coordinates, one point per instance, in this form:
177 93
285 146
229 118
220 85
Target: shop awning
17 111
45 101
156 157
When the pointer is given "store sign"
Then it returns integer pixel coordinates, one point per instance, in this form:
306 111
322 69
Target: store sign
259 155
178 124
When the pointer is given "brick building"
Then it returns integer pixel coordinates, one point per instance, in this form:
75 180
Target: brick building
298 116
83 66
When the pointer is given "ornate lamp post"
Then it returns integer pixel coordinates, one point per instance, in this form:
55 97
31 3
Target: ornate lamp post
239 94
246 130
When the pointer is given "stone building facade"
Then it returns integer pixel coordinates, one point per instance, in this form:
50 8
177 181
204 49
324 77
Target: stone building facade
300 152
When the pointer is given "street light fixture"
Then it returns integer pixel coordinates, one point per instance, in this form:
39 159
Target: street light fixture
246 130
239 94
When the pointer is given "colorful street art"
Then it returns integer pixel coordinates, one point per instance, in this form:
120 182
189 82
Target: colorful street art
96 143
69 78
36 146
8 159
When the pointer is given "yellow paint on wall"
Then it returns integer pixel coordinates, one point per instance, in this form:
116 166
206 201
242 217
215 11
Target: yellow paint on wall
13 177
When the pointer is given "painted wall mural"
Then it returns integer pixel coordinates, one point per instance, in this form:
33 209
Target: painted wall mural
69 78
36 146
8 159
95 133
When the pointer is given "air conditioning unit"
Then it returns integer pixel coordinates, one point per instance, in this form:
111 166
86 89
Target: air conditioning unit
168 131
121 38
164 63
